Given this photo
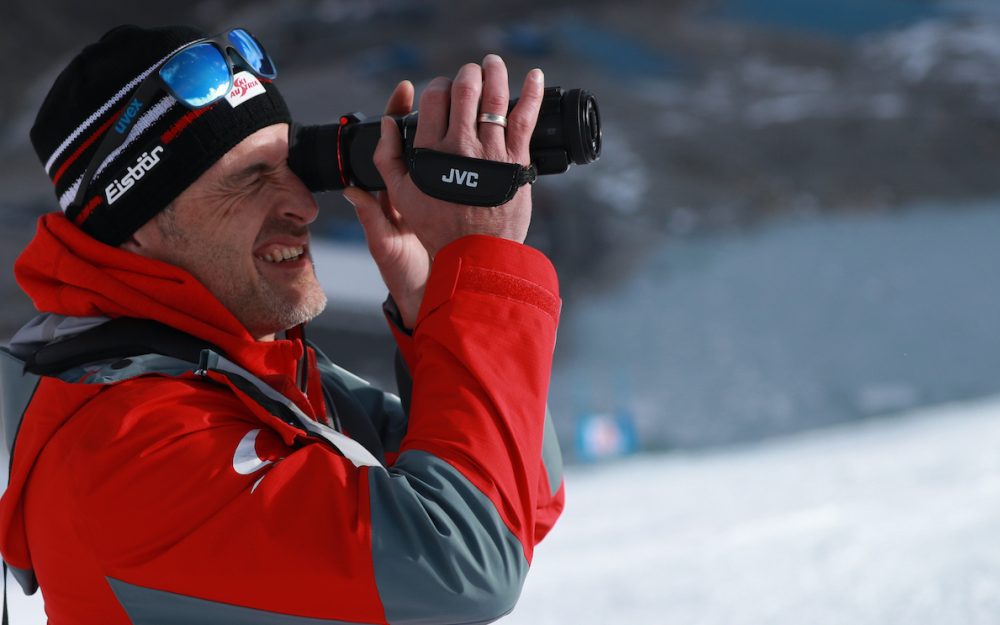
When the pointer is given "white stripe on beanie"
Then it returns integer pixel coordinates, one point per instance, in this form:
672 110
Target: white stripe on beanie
104 109
146 120
70 193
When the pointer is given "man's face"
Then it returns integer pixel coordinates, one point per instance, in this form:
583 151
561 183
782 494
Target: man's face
242 230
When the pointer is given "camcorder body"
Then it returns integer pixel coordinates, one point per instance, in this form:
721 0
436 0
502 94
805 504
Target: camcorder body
333 156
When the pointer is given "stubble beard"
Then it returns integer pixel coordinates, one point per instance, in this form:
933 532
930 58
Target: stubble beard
262 309
267 311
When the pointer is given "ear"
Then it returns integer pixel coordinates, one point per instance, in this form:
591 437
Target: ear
132 245
143 241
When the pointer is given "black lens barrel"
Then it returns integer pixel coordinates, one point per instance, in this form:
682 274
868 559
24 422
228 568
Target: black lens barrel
332 156
313 155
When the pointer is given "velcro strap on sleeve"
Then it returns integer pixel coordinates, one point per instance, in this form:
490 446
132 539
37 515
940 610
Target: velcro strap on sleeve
466 180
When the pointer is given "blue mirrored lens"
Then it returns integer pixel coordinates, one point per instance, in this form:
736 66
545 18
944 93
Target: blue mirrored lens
198 75
252 52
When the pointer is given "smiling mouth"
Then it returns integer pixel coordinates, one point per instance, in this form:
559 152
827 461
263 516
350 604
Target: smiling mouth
283 254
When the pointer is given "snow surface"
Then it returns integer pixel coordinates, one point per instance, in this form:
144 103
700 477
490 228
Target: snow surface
887 522
890 522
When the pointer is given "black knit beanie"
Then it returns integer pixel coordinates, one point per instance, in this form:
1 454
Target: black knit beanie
168 147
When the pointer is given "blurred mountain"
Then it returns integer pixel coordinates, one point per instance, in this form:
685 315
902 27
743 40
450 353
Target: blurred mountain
718 115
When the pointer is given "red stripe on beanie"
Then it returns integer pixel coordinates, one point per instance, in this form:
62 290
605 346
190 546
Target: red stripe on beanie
183 123
83 146
88 208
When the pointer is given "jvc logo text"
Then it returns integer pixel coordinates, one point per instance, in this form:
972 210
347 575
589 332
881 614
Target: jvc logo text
468 178
127 116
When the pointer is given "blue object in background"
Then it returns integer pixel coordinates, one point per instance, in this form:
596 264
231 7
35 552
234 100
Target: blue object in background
603 436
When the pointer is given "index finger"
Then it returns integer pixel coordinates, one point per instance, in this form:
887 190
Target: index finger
521 121
401 100
435 102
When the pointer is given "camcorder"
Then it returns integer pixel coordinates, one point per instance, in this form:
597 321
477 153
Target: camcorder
333 156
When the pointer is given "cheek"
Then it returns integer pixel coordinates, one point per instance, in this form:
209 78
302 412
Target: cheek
228 274
231 235
223 264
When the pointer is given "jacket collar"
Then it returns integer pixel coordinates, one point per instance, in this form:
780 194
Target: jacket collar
67 273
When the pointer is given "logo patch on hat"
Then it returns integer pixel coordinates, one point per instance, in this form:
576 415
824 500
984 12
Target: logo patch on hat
245 87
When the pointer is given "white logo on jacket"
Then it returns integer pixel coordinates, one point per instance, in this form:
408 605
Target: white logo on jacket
246 460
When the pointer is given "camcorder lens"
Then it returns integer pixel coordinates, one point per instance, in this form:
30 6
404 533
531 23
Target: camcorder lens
593 127
582 126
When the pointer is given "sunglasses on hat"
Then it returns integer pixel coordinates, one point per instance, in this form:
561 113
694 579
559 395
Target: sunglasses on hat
197 75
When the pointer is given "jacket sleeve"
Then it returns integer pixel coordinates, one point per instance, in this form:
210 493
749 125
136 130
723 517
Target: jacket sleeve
392 421
196 513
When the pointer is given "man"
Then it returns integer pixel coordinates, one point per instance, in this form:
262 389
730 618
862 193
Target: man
181 454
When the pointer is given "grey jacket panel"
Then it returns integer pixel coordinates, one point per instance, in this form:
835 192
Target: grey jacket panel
17 388
551 454
441 551
146 606
48 327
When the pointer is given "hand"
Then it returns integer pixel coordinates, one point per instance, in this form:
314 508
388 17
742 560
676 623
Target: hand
401 258
448 123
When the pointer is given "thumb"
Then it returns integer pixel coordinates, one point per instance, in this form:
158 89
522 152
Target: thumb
370 214
388 155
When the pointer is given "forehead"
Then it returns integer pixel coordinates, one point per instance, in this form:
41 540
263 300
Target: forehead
267 146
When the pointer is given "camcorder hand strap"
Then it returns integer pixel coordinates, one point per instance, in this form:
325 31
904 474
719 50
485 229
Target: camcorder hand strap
466 180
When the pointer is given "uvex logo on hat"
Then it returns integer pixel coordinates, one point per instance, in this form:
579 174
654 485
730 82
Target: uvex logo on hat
128 116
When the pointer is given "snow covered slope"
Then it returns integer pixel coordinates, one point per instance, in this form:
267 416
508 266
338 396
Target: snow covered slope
891 522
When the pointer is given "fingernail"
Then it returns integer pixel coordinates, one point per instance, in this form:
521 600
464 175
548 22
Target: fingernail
348 198
537 75
492 58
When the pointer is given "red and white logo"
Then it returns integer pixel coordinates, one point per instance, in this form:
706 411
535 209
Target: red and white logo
248 459
245 87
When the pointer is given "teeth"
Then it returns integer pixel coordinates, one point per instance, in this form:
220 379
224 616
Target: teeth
283 254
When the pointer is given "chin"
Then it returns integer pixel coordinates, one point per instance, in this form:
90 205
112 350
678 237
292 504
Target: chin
277 315
307 308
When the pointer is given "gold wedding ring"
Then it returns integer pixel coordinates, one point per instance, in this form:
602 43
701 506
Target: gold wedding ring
490 118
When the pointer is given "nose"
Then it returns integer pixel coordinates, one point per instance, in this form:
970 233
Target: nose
298 203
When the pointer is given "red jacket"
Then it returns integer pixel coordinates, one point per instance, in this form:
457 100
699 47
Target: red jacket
181 498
